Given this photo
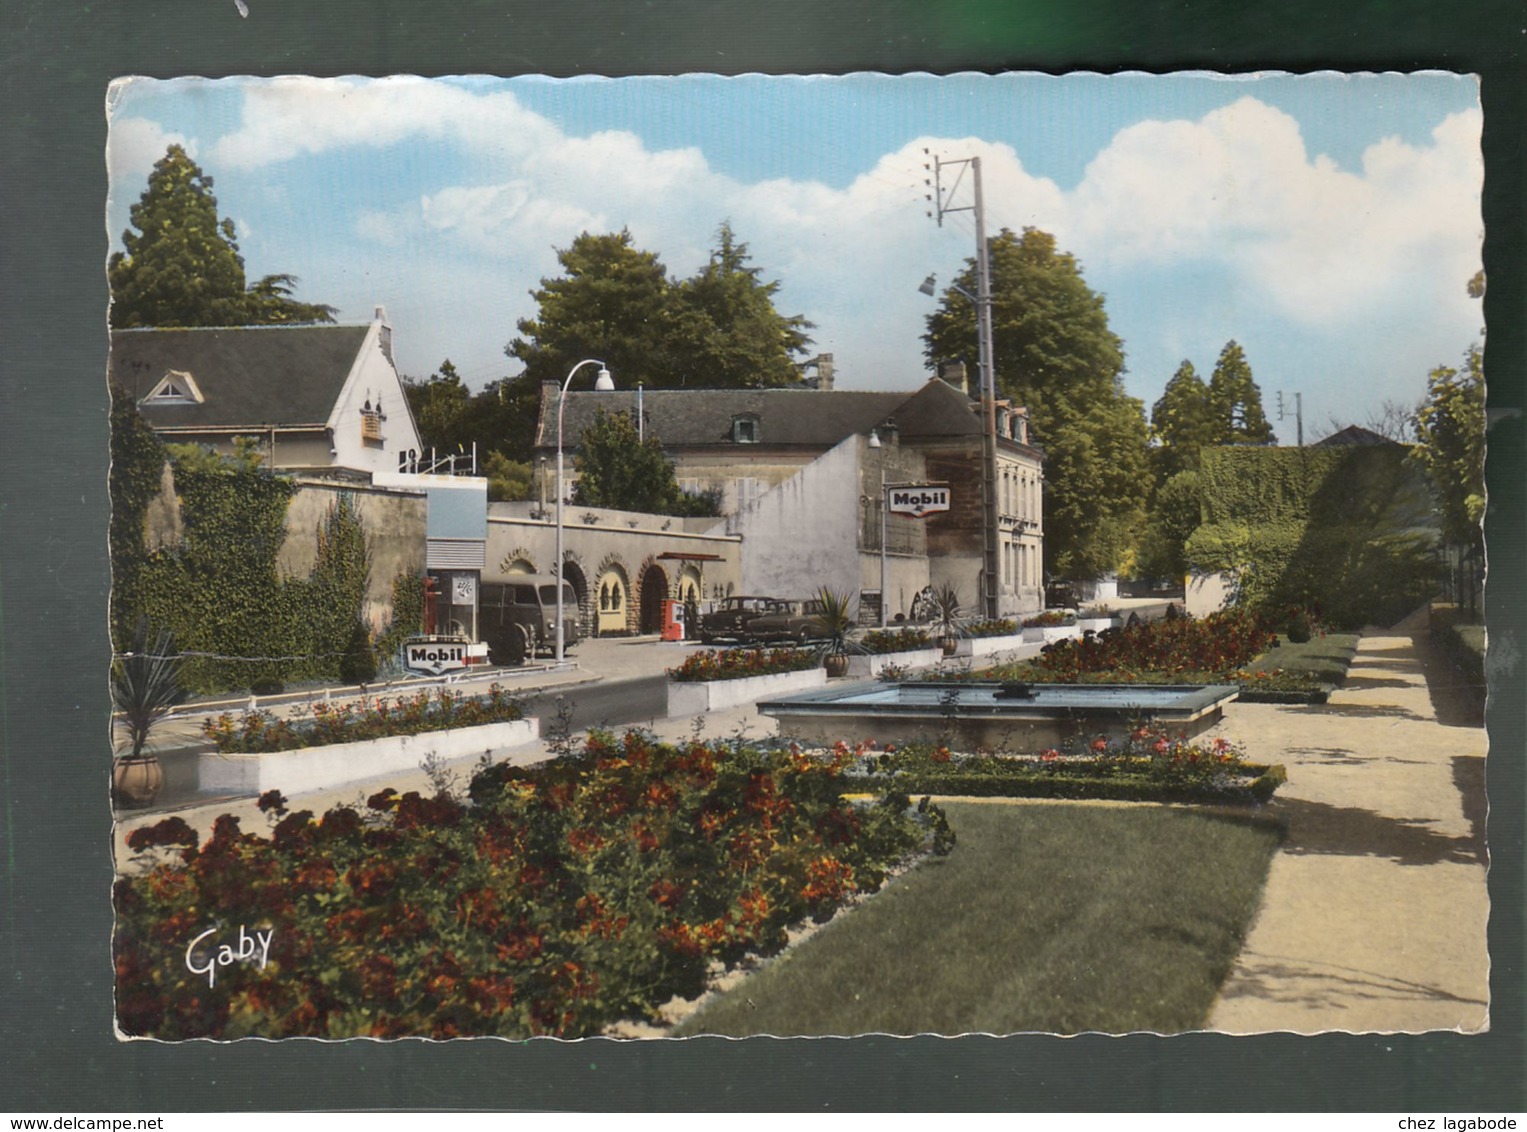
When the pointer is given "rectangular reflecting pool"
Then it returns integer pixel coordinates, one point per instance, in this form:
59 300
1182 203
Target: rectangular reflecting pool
1013 717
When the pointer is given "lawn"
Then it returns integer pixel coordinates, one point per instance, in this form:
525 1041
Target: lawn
1046 917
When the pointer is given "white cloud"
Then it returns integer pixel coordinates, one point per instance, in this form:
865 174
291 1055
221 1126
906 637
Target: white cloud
133 145
291 117
1320 242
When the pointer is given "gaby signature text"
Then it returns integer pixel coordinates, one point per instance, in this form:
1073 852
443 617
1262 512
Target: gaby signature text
204 958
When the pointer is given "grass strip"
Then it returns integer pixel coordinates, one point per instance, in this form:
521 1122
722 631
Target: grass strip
1045 918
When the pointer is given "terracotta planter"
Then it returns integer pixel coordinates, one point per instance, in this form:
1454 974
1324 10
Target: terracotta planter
949 645
136 781
836 665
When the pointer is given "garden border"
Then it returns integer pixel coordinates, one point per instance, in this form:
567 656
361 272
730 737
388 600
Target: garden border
691 697
337 764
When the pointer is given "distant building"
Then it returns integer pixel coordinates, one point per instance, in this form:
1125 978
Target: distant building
318 399
799 479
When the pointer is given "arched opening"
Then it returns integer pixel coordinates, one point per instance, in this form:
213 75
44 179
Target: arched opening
612 595
654 593
580 583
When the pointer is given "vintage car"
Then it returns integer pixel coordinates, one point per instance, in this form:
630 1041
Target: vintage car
517 616
730 619
793 622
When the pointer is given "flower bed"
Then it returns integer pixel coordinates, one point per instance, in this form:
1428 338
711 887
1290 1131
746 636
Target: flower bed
738 664
331 724
1050 619
561 899
881 641
995 627
318 768
717 695
1146 766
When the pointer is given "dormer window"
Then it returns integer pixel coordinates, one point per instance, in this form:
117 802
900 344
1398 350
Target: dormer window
176 387
745 429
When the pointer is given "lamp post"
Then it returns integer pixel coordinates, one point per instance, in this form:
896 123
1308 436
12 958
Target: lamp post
604 383
874 442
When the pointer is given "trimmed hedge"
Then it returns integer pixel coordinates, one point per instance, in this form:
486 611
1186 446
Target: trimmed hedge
1255 786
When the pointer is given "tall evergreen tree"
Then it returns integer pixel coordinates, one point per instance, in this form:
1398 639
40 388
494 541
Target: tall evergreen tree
1055 354
182 267
727 333
1235 402
611 303
1181 422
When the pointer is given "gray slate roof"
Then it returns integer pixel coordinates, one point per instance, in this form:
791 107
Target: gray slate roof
794 418
696 418
1354 435
262 375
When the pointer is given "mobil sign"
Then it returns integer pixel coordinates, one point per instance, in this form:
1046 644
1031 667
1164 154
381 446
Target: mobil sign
918 499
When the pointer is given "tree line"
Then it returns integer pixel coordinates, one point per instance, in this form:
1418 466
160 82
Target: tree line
1120 494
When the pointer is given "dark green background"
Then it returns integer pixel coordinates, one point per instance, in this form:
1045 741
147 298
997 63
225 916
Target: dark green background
56 1048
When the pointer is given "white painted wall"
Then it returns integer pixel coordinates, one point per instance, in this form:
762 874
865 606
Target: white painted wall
1207 593
803 534
373 376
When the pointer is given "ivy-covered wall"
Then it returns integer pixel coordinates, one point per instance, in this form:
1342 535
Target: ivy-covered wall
1348 529
218 585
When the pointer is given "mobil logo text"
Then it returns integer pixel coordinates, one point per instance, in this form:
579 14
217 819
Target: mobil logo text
918 500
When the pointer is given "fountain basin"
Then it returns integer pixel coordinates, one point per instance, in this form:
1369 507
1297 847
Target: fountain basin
995 716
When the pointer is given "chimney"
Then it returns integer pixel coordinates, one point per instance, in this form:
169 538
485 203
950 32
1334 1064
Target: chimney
384 333
953 373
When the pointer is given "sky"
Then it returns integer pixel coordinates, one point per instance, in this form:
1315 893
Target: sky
1327 223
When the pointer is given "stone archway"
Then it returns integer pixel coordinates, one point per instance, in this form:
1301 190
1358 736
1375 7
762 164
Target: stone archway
611 599
654 591
573 573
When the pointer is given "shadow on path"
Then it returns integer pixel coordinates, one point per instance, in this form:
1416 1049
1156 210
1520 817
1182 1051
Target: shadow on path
1315 827
1456 700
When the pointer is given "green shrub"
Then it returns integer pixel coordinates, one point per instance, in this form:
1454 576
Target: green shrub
1299 629
358 665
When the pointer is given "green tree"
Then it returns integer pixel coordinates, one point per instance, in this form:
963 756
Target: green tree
1176 512
1181 422
1235 402
439 404
508 479
1054 353
726 332
182 267
1450 426
611 303
618 469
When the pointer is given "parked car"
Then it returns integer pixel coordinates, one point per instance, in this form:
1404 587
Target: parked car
518 618
791 622
730 619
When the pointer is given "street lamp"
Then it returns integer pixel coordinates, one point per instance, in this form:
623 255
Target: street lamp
603 383
874 442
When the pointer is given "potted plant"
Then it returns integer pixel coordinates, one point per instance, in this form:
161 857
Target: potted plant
831 625
948 624
145 687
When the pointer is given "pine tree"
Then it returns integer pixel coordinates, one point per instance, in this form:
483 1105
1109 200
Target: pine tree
1181 422
1235 402
182 266
610 303
727 333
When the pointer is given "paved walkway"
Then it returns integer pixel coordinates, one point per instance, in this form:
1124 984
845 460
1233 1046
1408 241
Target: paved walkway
1374 915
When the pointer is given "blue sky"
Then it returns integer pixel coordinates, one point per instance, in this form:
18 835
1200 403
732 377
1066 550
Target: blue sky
1328 223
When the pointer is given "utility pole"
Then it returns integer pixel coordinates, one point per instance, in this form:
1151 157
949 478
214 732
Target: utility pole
989 571
1298 414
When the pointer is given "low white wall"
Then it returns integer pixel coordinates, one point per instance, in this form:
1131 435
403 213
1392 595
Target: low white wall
1048 633
319 768
1208 593
694 697
873 664
977 647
